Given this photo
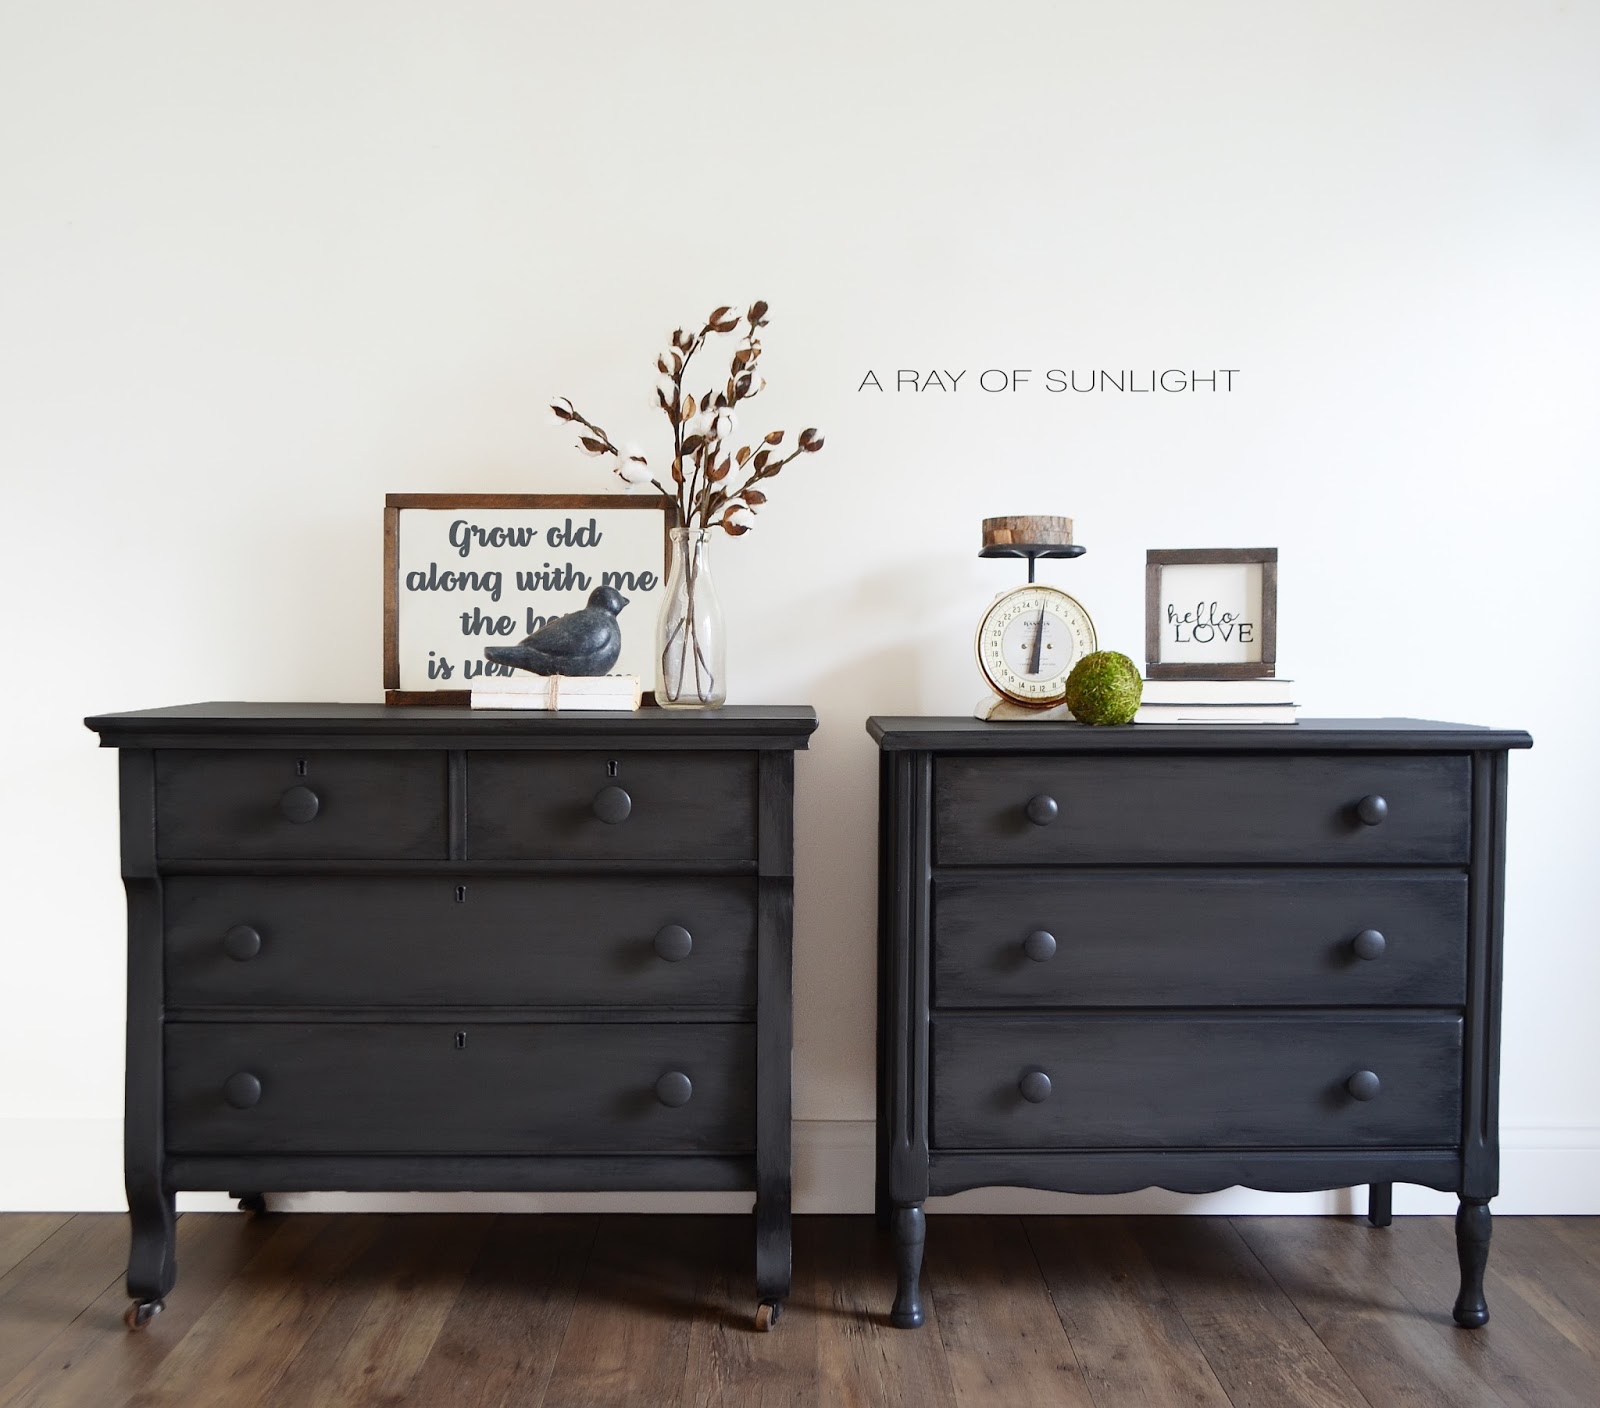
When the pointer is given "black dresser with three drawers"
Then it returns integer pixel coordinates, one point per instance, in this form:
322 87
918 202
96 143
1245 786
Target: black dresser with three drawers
1191 958
381 948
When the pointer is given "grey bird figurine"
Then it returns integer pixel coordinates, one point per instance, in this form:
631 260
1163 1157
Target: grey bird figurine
585 642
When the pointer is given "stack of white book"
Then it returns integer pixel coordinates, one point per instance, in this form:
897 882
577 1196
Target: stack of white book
1266 701
613 693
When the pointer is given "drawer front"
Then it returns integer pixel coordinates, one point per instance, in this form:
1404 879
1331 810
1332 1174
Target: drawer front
483 1088
460 940
1256 1081
1243 810
315 805
619 806
1197 939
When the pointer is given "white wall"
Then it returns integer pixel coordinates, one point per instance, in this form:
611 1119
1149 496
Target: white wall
260 265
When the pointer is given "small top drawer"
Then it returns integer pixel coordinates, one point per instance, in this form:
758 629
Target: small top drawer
1348 809
262 804
624 806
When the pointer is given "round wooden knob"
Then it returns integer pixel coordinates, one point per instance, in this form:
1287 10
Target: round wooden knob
1034 1086
674 1089
674 943
300 804
1372 810
1040 945
612 805
1369 943
1042 810
1364 1085
242 943
242 1090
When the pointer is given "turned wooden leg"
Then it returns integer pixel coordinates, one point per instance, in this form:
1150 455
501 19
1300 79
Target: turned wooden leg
1473 1226
910 1230
1380 1204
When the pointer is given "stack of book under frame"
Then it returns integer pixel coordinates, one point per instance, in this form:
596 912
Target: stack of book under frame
1257 701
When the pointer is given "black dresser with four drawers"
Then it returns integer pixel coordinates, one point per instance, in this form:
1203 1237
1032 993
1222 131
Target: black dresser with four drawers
381 948
1191 958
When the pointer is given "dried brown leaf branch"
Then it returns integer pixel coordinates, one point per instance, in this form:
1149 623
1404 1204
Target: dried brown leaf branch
703 457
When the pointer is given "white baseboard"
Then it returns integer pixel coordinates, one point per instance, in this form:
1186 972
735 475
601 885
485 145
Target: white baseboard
75 1165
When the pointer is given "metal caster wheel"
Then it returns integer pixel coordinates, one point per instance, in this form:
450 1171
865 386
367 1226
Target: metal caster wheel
141 1312
251 1202
768 1314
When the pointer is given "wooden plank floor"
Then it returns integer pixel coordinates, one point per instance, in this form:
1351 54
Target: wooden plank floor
567 1311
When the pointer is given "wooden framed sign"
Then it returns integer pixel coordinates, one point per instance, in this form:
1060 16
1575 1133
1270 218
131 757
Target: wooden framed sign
462 571
1211 613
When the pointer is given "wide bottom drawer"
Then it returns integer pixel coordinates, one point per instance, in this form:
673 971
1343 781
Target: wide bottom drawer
481 1088
1257 1080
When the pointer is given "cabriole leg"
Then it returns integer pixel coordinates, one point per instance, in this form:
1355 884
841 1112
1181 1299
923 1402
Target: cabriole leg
910 1231
152 1260
774 1258
1473 1226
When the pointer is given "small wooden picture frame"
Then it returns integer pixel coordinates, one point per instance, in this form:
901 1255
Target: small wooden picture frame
1210 613
462 571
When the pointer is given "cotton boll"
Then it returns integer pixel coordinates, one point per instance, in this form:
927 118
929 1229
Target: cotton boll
742 517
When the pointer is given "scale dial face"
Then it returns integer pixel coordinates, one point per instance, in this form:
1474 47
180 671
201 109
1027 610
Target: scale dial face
1028 642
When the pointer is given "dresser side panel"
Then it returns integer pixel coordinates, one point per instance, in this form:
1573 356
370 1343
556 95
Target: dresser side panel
1485 959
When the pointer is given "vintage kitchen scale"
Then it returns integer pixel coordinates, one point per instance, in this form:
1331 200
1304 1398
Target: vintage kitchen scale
1031 636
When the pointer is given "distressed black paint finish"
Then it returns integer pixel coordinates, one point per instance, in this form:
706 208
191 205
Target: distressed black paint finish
1183 810
580 806
316 805
1189 958
387 948
1241 1080
458 1087
1229 938
461 939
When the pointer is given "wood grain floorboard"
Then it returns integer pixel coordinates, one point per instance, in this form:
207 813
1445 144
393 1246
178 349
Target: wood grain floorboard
392 1303
1339 1274
862 1360
1580 1233
245 1341
55 1283
1257 1343
1517 1354
500 1340
1128 1334
1001 1335
628 1338
96 1361
1552 1276
728 1365
572 1312
22 1232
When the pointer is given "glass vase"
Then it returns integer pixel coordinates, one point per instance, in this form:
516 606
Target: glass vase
690 639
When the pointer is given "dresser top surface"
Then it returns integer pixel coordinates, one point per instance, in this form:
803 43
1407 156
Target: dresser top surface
901 733
780 725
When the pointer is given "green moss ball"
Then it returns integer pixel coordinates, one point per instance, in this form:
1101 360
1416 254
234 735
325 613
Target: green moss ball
1104 688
